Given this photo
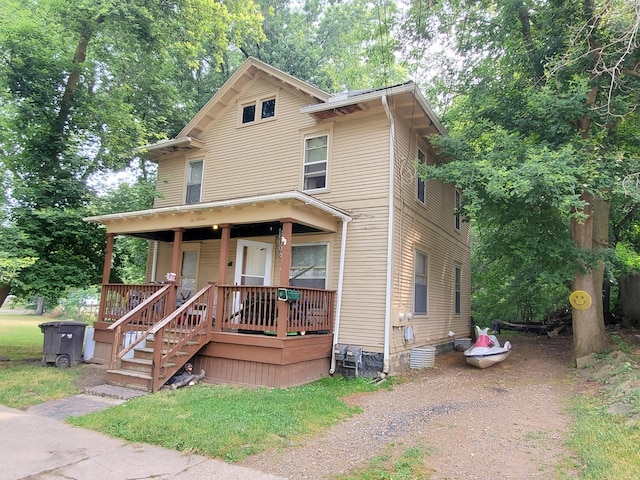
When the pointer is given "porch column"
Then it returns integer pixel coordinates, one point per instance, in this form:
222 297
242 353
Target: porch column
177 252
106 270
222 274
224 253
285 268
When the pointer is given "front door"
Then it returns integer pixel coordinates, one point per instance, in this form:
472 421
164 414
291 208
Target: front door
253 263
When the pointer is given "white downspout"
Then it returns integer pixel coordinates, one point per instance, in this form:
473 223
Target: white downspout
388 293
336 327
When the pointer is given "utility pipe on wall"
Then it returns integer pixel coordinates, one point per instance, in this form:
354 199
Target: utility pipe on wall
336 327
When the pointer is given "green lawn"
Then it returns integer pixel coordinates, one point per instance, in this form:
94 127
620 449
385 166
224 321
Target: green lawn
20 336
24 381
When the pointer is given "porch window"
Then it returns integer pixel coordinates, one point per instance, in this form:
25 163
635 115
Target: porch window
422 159
458 290
315 162
420 283
309 266
194 181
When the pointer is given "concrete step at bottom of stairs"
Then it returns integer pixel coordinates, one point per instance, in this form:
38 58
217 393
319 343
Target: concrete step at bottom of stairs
129 379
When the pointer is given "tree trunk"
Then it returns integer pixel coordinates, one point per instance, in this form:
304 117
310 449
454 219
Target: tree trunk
601 212
4 292
39 306
589 335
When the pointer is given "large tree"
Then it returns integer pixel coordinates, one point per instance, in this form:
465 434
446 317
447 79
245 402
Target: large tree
334 45
542 129
84 82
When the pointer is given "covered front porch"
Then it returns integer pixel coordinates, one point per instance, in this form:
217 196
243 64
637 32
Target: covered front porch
272 334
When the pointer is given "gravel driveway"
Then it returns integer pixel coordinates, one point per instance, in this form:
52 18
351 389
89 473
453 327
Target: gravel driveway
505 422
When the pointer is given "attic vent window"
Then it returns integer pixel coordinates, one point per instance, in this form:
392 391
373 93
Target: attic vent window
253 112
269 108
249 113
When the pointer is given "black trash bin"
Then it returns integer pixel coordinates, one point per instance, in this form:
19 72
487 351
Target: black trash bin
63 343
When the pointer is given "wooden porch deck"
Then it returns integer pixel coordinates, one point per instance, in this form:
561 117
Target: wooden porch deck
261 339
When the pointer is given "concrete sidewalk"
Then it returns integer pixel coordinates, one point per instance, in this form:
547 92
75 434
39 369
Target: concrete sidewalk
36 445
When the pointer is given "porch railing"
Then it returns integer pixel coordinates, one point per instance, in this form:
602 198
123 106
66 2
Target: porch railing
182 333
135 325
257 309
117 299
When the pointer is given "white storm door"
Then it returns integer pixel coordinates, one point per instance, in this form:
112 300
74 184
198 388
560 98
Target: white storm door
253 263
188 272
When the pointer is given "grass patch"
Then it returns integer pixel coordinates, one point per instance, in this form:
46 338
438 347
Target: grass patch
23 385
24 381
394 464
609 445
228 422
606 429
20 336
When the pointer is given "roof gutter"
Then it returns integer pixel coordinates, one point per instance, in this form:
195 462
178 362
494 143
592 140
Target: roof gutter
180 142
388 292
380 94
238 202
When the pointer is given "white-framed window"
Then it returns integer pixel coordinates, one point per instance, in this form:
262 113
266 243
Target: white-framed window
309 265
421 277
316 159
458 207
422 159
194 181
254 111
458 291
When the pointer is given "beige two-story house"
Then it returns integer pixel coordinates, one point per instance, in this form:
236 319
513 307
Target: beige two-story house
292 239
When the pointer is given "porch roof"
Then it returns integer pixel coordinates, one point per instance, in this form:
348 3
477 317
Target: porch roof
249 216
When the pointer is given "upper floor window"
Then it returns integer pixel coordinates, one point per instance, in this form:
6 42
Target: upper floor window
265 108
420 284
422 159
194 181
316 156
458 207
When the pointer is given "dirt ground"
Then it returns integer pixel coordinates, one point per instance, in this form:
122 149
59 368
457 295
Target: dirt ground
505 422
509 421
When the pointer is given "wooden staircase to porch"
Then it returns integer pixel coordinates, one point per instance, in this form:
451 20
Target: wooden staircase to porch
137 372
162 339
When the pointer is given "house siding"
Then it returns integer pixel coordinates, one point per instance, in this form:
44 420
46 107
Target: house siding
360 164
430 228
238 159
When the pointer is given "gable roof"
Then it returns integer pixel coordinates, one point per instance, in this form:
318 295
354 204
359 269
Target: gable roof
406 99
233 87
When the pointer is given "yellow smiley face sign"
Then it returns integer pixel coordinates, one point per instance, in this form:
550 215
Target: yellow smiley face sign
580 300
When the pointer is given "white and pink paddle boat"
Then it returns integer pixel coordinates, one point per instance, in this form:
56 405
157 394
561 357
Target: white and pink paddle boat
487 350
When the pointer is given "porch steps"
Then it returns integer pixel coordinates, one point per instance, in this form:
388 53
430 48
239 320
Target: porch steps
136 372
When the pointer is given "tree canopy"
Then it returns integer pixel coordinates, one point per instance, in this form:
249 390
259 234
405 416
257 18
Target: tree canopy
542 130
83 83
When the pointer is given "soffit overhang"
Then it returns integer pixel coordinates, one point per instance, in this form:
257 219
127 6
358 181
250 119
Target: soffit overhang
164 147
249 216
405 101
